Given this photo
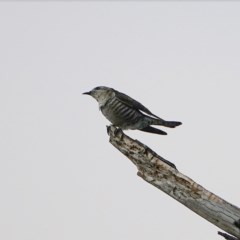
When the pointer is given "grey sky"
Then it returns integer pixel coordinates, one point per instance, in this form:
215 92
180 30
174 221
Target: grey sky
59 176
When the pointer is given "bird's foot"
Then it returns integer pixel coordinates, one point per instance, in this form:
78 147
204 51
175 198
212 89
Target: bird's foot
116 132
108 129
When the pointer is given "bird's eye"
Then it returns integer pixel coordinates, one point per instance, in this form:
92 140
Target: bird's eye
97 88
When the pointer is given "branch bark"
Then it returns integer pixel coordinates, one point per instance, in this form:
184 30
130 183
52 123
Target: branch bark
164 175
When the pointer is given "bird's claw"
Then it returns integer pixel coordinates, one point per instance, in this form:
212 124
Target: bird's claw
116 131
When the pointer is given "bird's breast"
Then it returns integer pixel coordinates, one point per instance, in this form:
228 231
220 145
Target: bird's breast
120 114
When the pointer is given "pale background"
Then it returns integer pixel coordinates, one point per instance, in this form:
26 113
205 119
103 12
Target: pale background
59 176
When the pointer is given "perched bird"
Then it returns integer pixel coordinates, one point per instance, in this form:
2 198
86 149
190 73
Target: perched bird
126 113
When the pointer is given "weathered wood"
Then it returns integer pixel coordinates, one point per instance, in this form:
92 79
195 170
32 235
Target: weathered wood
163 175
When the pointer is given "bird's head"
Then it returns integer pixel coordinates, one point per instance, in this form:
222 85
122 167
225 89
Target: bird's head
101 94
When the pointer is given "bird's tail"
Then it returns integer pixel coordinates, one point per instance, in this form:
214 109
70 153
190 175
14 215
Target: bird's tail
170 124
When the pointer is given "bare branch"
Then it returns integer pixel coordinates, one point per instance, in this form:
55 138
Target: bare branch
164 175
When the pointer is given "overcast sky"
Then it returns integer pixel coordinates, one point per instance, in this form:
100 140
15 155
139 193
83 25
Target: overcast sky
59 176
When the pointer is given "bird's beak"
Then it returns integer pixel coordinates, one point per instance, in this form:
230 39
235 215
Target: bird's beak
87 93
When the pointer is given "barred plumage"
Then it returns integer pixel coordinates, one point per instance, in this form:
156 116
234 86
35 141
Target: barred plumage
127 113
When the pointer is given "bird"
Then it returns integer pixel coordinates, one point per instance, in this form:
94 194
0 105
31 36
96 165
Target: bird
126 113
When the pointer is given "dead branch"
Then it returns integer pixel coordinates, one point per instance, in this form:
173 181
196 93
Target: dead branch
164 175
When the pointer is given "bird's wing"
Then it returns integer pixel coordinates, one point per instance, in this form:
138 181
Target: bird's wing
153 130
133 103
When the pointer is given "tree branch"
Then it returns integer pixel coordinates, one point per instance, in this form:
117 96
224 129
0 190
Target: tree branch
164 175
